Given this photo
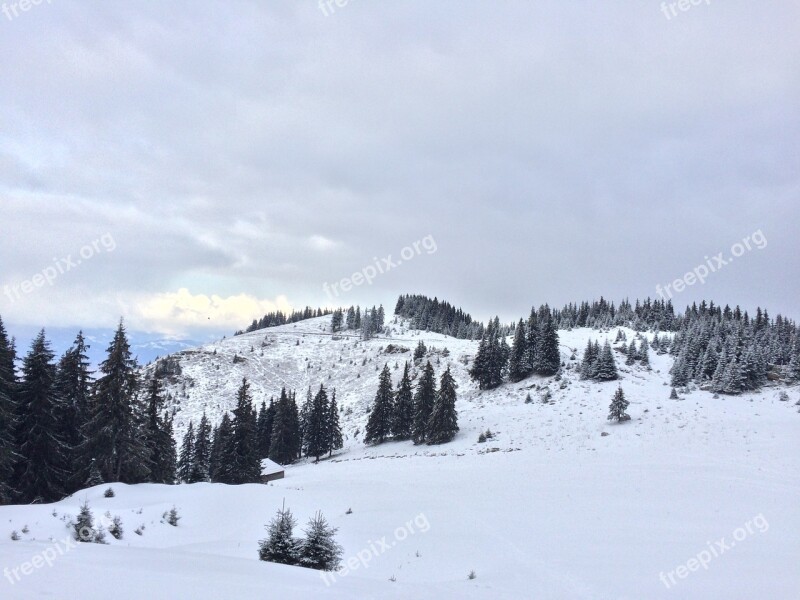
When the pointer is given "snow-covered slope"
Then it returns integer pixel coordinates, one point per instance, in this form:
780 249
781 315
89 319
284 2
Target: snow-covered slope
549 508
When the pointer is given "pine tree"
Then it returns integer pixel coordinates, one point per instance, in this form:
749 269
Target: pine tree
379 424
517 364
532 342
644 354
336 320
43 456
403 421
73 387
9 454
491 359
548 357
167 460
319 549
201 457
424 400
316 433
420 350
158 436
733 380
305 415
588 364
186 459
334 440
443 422
282 449
606 367
280 546
632 353
112 432
222 460
266 417
247 464
618 407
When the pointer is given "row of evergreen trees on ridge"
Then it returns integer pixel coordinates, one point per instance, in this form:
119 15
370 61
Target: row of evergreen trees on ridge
722 348
278 317
231 452
427 415
62 430
369 325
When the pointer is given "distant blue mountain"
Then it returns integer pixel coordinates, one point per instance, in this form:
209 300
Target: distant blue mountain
145 346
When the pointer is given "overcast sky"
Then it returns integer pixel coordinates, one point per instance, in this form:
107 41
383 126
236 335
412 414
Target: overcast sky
226 158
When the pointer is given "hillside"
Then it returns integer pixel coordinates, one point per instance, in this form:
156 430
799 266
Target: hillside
559 504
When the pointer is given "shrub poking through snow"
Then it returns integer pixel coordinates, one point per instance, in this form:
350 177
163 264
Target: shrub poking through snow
171 516
109 493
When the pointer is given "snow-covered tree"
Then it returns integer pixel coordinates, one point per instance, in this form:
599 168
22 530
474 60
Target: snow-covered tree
379 424
618 407
319 550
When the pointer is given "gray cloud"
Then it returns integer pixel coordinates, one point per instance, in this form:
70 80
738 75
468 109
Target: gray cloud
555 152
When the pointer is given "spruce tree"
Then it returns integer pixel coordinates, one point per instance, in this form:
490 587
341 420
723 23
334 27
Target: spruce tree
424 400
280 546
113 431
632 354
41 470
618 407
221 463
531 342
644 354
158 436
517 365
379 424
186 458
201 458
9 454
403 421
443 422
606 367
548 356
319 549
420 350
282 449
316 433
588 364
264 428
334 441
73 387
247 464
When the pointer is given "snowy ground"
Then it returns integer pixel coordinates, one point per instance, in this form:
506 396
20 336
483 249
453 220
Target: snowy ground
549 508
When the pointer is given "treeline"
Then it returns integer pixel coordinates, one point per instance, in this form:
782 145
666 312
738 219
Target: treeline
368 326
231 452
62 430
731 352
426 415
276 318
439 317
